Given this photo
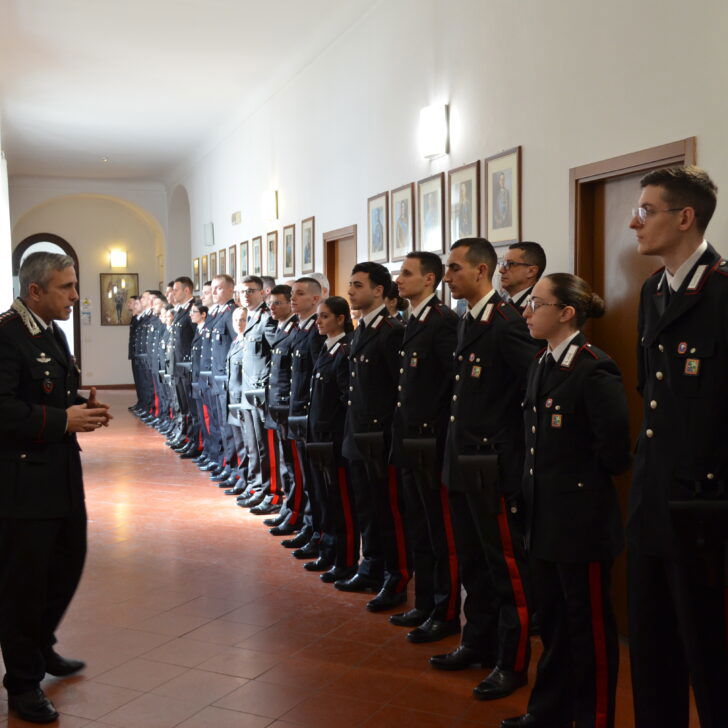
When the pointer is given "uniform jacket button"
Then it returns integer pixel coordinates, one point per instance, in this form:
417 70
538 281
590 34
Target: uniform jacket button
653 404
580 485
452 418
659 375
650 433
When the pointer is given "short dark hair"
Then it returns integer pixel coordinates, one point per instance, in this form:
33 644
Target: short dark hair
156 294
429 263
570 290
133 298
281 290
268 281
186 282
170 284
686 187
207 283
257 280
169 307
533 254
340 307
378 274
479 251
311 282
201 308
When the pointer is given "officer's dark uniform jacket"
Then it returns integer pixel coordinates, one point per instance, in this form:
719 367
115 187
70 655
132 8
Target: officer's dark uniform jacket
41 464
425 378
256 351
307 344
196 354
183 332
519 300
206 345
373 375
492 357
577 438
278 389
222 334
234 369
683 378
133 328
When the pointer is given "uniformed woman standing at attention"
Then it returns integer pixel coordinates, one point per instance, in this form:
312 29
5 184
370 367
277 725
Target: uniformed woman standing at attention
339 550
577 438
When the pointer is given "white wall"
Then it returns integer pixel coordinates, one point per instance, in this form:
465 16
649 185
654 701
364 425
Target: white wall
6 281
573 82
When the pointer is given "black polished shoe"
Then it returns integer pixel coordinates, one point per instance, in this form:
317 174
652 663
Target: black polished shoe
359 583
302 539
61 666
529 720
281 530
433 630
237 490
277 521
224 474
387 599
211 467
322 563
461 658
191 454
309 551
499 684
338 573
266 509
231 482
33 706
253 500
412 618
201 459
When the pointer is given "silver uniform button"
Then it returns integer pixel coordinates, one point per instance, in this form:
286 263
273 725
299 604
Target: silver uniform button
399 404
454 398
349 403
23 456
460 358
401 371
452 418
659 375
653 404
533 428
533 451
650 433
710 476
661 347
530 471
580 485
457 377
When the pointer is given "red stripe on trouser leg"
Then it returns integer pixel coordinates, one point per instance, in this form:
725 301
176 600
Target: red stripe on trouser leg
297 485
206 418
398 529
600 645
272 461
519 593
452 557
199 440
348 516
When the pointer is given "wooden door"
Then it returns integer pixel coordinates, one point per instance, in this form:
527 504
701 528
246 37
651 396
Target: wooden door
340 258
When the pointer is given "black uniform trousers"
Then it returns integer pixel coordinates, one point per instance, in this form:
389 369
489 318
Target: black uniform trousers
576 678
256 443
295 503
434 555
41 565
677 618
227 439
241 453
213 447
380 507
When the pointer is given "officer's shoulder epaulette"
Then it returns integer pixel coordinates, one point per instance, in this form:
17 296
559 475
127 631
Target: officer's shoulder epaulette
592 351
722 267
540 352
508 311
7 316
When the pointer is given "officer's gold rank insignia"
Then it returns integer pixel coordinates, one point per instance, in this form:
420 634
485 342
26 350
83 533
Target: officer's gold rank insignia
557 420
692 367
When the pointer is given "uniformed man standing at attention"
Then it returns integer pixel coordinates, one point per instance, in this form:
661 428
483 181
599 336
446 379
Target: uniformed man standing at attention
42 510
520 267
677 528
484 459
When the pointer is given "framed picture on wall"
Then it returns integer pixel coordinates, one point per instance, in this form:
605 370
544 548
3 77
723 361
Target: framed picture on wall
463 202
233 262
289 250
205 271
308 245
258 256
431 213
115 289
402 239
222 262
378 227
196 275
503 197
244 270
271 254
213 265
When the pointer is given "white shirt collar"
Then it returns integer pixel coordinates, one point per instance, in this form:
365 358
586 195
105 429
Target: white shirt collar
675 281
480 305
372 315
561 348
415 313
40 321
519 298
331 340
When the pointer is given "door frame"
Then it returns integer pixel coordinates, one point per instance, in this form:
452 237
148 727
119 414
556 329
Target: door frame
18 253
330 238
582 186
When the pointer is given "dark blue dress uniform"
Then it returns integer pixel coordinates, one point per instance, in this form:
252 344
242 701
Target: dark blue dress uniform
183 332
234 370
144 384
374 373
306 345
577 438
211 432
157 356
196 411
326 416
222 335
492 357
677 557
423 400
42 510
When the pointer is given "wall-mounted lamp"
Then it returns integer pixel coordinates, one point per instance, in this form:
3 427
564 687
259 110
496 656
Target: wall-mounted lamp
434 132
270 205
117 258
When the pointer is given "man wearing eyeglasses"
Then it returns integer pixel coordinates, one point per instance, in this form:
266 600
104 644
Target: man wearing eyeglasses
520 268
677 513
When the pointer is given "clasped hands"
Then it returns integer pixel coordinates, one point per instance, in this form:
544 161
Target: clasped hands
89 416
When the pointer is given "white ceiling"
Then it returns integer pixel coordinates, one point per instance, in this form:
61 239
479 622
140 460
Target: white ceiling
146 82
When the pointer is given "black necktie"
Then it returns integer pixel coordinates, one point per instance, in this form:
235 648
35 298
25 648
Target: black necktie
669 293
546 368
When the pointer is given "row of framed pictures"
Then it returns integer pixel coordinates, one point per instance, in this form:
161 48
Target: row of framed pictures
425 226
257 259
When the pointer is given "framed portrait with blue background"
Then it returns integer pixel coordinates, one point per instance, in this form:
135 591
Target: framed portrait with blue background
402 239
308 245
503 197
378 227
289 250
463 209
431 213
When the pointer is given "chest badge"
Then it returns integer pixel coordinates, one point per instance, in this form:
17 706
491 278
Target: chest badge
548 403
47 385
682 347
413 361
471 357
43 359
476 371
692 367
557 421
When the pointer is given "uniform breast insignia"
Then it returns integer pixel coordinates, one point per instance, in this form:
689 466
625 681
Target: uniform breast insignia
43 359
557 421
692 367
548 403
413 360
47 385
361 358
471 357
682 347
476 371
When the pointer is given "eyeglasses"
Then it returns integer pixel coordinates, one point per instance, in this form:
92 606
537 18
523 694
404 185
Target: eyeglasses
533 304
642 213
508 264
250 291
277 303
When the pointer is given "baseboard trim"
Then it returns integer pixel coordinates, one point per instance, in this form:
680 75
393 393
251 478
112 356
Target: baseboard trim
107 386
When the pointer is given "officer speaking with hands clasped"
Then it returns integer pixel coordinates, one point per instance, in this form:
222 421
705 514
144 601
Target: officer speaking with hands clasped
42 511
676 533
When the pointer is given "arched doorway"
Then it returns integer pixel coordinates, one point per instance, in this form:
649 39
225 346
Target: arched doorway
50 243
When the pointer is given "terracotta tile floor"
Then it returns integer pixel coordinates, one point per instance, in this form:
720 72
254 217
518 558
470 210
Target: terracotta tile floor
189 614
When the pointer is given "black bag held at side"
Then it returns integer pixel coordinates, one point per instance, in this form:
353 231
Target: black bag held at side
481 472
422 454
